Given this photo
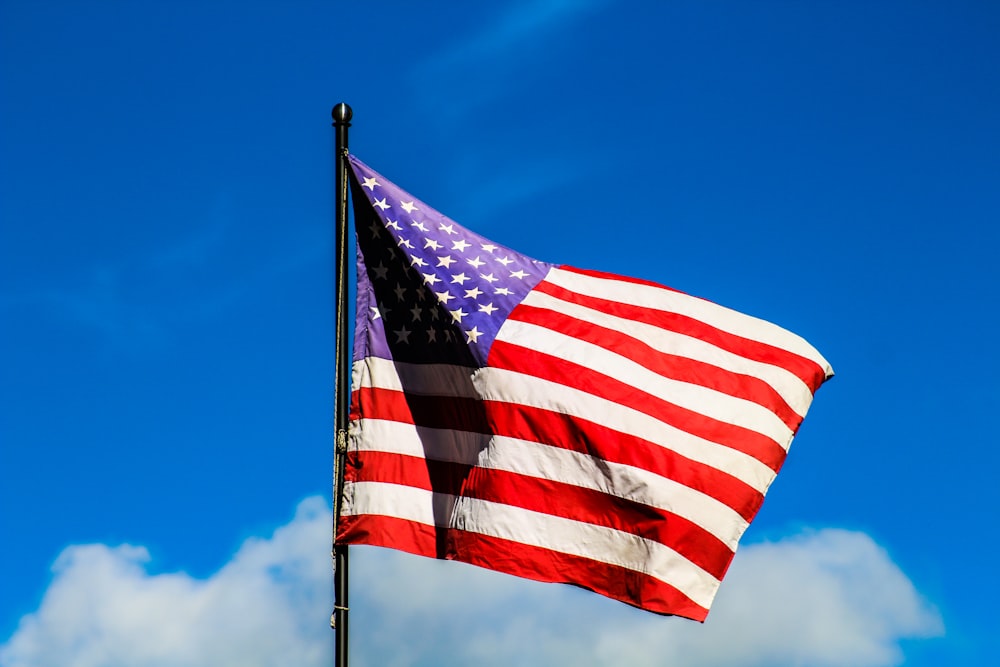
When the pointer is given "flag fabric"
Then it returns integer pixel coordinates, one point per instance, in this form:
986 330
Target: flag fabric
554 423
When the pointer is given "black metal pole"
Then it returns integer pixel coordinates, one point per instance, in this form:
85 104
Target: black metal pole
342 386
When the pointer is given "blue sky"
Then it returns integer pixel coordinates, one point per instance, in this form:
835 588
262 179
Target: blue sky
166 326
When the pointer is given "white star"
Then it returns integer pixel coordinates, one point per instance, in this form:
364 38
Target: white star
488 308
473 334
416 261
370 183
445 261
459 278
488 247
518 274
408 206
392 224
381 271
430 278
460 245
403 335
406 243
473 293
419 225
380 203
447 228
476 263
503 290
431 243
505 260
457 315
488 277
445 296
375 314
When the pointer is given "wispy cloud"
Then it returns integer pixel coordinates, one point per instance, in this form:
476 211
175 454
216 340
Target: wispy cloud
829 598
486 64
495 65
496 190
523 25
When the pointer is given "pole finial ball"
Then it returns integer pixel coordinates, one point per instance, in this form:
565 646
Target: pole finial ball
342 113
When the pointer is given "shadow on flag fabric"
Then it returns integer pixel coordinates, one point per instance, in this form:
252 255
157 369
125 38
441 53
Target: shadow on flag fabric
553 423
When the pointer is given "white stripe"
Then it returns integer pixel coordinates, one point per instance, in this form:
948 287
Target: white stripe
395 500
658 298
703 400
551 463
789 386
419 379
520 389
422 442
537 529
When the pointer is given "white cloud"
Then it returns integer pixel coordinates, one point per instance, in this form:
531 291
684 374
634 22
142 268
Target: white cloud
826 598
265 607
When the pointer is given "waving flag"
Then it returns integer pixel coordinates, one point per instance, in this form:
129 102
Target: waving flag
553 423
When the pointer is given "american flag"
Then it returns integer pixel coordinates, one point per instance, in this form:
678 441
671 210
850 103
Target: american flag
553 423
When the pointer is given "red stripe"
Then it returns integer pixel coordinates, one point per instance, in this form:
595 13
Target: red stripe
667 365
451 412
428 474
387 531
566 432
521 560
524 360
616 582
807 370
550 497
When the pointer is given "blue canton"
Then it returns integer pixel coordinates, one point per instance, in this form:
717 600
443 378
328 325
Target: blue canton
430 290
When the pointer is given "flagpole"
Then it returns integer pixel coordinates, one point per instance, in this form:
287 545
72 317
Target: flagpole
342 387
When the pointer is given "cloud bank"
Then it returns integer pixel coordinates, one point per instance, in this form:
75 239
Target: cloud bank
824 598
